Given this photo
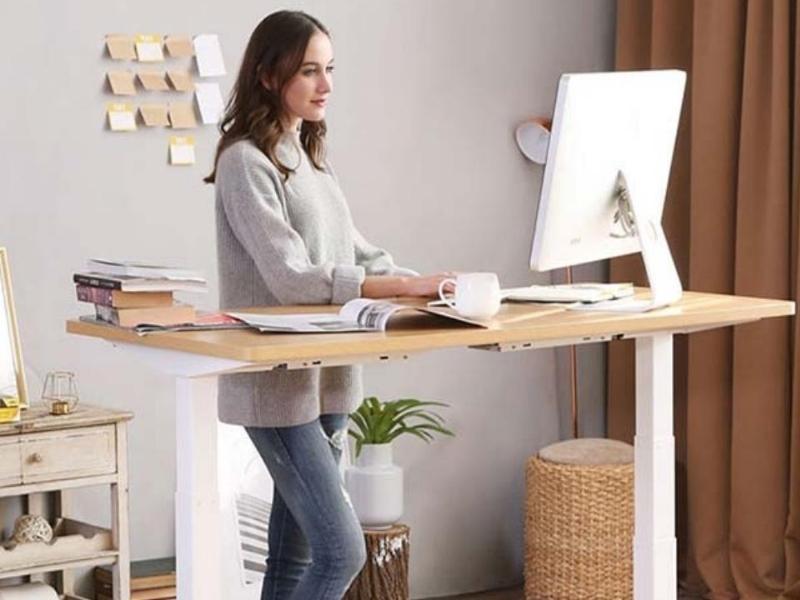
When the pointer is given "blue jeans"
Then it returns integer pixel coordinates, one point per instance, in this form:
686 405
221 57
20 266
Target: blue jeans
316 545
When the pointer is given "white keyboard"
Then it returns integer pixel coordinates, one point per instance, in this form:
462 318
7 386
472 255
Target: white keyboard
579 292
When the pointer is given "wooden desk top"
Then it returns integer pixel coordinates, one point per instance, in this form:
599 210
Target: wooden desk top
419 332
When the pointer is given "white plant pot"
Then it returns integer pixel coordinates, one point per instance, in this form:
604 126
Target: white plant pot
375 486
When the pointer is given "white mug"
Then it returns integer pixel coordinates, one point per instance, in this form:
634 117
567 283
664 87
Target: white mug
477 295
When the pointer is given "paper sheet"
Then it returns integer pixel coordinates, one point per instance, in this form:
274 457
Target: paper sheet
181 81
122 83
208 54
181 115
153 81
121 117
181 150
209 101
120 46
148 48
179 46
154 115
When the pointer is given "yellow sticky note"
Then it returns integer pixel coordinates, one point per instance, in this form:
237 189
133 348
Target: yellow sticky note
121 117
179 46
121 83
153 81
120 46
181 115
181 150
181 81
154 115
148 48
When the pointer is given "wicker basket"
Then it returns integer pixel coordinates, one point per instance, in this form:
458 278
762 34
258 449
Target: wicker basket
579 521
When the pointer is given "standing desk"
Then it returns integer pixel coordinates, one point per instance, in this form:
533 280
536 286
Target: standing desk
196 358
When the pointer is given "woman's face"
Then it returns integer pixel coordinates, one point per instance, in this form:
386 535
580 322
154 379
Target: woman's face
305 95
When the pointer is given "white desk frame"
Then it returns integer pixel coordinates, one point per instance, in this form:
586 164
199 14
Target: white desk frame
197 505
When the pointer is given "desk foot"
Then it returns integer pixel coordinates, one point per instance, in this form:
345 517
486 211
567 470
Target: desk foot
654 569
197 509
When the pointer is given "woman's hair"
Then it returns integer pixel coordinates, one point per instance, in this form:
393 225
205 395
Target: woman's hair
274 53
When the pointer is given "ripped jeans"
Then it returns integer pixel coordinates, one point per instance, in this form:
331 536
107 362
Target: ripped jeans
316 545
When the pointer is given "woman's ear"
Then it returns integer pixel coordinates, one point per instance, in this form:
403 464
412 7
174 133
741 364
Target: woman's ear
267 82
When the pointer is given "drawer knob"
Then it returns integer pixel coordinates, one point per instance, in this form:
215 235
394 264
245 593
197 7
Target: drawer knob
36 458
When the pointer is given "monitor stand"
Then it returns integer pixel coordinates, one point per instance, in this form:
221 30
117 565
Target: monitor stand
633 218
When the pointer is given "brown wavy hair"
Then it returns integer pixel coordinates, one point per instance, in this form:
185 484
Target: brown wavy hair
275 53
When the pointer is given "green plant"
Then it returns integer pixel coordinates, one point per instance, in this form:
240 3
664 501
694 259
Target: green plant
380 422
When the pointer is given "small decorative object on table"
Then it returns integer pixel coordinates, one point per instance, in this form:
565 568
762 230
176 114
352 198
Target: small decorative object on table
60 393
32 528
375 483
9 408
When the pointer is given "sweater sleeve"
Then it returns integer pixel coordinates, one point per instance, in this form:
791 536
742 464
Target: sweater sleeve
376 261
253 207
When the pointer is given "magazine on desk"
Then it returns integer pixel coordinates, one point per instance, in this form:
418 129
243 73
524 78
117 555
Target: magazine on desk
363 314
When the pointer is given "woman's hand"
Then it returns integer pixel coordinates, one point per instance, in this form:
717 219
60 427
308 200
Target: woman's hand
425 286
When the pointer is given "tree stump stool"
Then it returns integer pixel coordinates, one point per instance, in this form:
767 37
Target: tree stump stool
385 574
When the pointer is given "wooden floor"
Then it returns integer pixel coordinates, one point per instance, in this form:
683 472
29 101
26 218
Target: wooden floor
507 594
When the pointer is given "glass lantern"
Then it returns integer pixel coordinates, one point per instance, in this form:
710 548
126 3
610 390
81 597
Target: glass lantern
60 393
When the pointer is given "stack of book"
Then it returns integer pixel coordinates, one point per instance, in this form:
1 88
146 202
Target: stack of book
152 579
128 294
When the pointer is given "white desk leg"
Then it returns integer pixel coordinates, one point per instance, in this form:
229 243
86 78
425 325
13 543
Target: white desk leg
197 520
654 547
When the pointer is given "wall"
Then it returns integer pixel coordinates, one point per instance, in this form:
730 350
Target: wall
426 98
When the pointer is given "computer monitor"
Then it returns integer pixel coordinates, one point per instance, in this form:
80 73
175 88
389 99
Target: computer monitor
606 174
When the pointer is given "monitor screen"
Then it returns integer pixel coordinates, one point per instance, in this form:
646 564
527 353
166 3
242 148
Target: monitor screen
604 124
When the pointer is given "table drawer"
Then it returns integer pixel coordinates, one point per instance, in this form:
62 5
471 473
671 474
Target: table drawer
68 453
10 462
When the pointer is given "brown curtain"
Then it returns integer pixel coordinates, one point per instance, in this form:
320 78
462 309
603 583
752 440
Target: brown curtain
732 217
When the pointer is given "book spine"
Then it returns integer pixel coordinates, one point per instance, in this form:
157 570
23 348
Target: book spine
110 284
95 295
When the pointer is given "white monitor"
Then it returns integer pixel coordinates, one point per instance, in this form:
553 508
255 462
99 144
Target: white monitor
611 132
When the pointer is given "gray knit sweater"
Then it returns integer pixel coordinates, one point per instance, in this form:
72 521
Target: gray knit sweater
290 242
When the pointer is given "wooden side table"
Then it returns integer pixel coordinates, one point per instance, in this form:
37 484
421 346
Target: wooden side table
43 457
385 574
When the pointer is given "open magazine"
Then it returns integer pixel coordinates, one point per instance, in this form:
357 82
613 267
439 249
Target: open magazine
363 314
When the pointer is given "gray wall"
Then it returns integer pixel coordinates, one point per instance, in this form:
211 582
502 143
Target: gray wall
426 98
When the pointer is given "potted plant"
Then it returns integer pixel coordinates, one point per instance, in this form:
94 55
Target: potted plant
374 482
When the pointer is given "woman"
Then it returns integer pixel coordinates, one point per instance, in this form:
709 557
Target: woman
285 236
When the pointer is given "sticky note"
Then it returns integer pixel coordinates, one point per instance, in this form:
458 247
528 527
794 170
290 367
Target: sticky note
121 117
148 48
153 81
181 115
154 115
208 54
120 46
181 81
209 101
179 46
122 83
181 150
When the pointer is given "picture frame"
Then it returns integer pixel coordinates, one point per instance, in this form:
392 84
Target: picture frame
12 371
